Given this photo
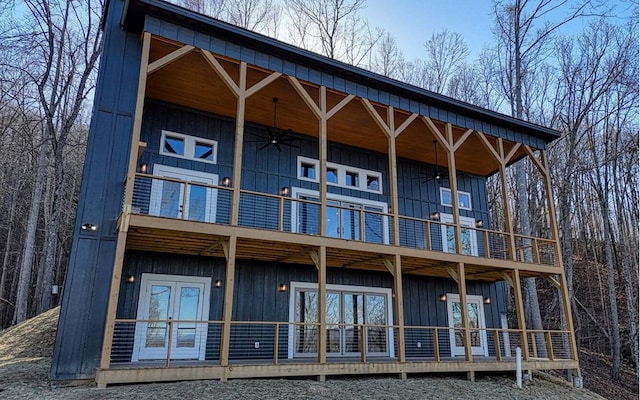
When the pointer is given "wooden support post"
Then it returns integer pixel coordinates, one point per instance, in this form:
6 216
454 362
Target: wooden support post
496 342
436 345
322 156
522 326
547 336
363 345
453 184
322 305
169 342
462 289
225 340
116 276
399 309
237 149
276 343
505 201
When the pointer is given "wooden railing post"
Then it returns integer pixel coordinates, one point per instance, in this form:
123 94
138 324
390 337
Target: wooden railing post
436 345
276 340
496 342
170 340
547 335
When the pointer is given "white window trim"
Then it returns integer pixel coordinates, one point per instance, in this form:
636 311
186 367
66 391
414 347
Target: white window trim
296 286
464 221
295 191
189 147
172 279
483 349
460 193
184 174
342 173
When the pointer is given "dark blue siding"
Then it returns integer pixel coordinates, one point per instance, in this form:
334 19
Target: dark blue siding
82 315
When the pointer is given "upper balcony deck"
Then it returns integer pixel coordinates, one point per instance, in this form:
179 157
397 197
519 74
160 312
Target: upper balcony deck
281 228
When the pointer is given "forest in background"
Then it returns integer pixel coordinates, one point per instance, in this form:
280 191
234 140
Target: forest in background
583 84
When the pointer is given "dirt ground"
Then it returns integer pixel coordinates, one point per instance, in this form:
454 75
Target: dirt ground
25 357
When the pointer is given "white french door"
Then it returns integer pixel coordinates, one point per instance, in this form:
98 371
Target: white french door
467 235
475 316
164 298
168 199
348 309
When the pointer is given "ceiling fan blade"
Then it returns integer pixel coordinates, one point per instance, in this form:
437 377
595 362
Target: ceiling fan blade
290 145
283 134
258 136
264 145
278 147
271 135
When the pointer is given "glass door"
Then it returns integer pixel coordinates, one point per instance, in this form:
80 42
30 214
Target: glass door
168 198
467 235
475 315
164 299
347 312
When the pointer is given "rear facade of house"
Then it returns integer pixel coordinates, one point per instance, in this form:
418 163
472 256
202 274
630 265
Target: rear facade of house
251 209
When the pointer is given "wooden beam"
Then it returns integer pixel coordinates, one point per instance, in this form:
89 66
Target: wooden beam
116 274
390 266
462 139
405 124
507 278
488 146
239 140
505 201
217 67
535 160
553 281
384 126
305 97
399 303
464 311
322 305
169 58
436 132
339 106
227 305
315 257
454 275
225 248
522 325
511 153
263 83
322 158
213 245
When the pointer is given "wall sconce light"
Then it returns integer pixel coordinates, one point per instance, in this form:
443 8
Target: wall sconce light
89 227
226 181
131 279
218 284
487 300
479 223
144 167
282 287
284 191
443 297
54 289
435 216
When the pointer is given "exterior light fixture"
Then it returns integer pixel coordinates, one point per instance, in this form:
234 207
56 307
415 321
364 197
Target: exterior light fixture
487 300
284 191
131 279
479 223
443 297
89 227
218 283
144 167
282 287
54 289
435 216
226 181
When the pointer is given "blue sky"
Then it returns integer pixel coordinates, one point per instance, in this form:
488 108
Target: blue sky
412 22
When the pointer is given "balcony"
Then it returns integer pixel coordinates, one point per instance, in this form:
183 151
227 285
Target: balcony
180 216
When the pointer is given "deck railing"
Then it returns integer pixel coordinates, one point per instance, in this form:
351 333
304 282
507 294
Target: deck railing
175 198
145 342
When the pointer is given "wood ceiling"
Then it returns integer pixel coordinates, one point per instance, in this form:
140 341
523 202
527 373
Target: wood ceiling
191 82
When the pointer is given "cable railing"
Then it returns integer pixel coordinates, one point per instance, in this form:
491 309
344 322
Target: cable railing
212 203
166 343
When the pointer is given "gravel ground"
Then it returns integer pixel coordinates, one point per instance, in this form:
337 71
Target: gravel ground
26 378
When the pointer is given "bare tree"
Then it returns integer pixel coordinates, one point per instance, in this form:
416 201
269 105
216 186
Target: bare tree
446 52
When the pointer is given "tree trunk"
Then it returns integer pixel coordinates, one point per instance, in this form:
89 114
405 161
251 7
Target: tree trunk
5 259
24 280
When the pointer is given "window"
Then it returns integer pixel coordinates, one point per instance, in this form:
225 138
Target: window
340 175
190 147
467 235
347 217
476 321
346 308
464 199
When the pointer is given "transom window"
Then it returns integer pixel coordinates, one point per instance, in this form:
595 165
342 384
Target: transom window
340 175
464 199
190 147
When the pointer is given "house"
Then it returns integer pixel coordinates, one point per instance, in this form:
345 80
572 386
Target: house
251 209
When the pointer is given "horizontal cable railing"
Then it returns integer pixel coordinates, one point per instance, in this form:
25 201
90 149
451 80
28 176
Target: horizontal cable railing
208 202
165 343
